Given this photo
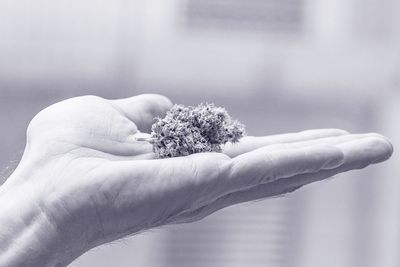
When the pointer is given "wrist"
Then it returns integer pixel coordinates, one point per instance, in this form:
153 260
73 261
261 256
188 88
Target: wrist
27 235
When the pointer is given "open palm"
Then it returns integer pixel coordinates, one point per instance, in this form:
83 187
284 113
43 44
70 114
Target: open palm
96 183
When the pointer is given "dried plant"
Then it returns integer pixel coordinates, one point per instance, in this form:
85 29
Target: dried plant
187 130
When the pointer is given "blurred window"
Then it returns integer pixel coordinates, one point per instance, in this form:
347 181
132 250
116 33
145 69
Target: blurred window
271 16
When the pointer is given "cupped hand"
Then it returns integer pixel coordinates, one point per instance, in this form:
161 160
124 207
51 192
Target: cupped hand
88 177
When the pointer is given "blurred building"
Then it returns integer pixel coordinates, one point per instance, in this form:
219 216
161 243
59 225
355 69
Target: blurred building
277 65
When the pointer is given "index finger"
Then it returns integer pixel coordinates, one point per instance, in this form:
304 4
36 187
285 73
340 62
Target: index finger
192 181
249 143
358 154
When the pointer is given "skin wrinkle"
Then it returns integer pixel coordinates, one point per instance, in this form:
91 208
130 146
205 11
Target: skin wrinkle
78 129
111 199
262 181
99 218
270 176
111 126
82 146
133 231
196 214
120 111
195 174
113 202
146 201
258 177
66 219
19 221
109 133
197 181
127 115
179 207
103 155
291 188
56 157
101 138
29 232
222 168
51 223
74 160
309 137
194 168
119 225
176 199
158 171
51 218
227 202
113 143
85 238
274 171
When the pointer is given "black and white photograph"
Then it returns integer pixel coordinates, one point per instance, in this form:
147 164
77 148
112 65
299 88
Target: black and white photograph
200 133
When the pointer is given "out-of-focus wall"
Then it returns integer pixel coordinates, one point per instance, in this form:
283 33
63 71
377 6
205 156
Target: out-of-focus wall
277 65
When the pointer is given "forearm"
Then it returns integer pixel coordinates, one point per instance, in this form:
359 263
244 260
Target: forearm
27 237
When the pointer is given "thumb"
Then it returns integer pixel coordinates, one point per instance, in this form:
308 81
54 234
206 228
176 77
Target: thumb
142 109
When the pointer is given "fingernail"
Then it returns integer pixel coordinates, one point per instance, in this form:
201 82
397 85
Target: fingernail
383 148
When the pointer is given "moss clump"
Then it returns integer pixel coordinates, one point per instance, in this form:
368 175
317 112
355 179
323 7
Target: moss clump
188 130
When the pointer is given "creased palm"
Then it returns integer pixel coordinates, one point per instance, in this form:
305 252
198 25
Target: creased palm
101 184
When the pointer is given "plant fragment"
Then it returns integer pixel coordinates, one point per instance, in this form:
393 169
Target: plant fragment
187 130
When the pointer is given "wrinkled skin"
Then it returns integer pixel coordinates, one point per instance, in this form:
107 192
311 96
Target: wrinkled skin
92 182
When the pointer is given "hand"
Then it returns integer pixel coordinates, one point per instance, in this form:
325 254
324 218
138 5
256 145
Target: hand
84 180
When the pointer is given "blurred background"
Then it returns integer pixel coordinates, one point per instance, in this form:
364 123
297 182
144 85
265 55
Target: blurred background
276 65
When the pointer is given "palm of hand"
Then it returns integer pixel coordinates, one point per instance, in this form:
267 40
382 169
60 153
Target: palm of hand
98 181
77 143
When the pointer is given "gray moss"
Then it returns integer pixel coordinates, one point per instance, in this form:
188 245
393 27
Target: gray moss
187 130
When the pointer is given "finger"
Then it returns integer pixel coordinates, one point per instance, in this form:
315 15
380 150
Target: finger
142 109
281 186
183 183
207 176
358 154
249 143
334 140
264 165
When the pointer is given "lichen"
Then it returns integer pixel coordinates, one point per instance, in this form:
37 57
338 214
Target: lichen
187 130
